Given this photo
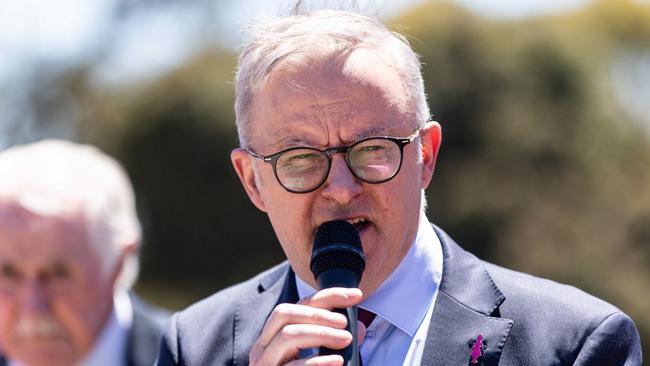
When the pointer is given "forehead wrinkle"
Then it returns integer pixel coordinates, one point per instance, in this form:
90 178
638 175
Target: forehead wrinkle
373 132
291 141
291 135
327 105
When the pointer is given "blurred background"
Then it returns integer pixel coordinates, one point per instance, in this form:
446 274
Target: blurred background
545 108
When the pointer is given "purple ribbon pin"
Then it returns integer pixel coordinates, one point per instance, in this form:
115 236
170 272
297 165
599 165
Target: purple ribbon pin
477 349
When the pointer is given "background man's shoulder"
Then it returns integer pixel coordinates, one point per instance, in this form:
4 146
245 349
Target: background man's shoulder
145 332
152 315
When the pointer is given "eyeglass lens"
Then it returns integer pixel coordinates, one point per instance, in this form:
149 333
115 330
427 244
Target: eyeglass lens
304 169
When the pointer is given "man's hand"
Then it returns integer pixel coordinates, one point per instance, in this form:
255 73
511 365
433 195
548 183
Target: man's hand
308 324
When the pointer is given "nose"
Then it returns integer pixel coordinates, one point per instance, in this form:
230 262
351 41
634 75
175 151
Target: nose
34 299
341 186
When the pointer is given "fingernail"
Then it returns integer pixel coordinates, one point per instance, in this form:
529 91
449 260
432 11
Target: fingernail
342 333
355 292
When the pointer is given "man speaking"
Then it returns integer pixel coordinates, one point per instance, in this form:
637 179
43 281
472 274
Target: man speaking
334 127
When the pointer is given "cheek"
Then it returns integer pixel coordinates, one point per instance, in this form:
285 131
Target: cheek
397 198
407 189
397 205
287 211
291 219
75 318
8 317
82 312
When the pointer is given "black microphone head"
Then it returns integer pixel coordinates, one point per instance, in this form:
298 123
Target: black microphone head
337 245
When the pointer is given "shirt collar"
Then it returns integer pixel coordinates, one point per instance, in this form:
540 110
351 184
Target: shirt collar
404 297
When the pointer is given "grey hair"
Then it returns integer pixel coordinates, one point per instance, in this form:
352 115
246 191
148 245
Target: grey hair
318 34
53 177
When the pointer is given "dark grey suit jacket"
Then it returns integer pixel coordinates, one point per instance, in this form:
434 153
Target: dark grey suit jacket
144 335
524 320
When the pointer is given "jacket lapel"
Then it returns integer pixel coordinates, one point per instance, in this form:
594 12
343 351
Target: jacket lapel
466 308
277 286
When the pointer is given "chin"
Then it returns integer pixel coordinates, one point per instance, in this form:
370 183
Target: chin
47 360
46 353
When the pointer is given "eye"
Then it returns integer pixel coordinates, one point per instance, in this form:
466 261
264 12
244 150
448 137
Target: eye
299 159
59 271
371 148
9 272
302 157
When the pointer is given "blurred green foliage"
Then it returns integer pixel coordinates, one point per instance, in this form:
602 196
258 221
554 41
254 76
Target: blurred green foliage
541 168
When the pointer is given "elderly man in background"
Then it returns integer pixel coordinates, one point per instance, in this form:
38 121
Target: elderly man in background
69 239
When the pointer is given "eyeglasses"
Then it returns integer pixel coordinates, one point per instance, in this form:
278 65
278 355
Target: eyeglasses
304 169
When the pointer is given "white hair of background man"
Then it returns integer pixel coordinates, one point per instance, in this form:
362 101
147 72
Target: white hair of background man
295 40
53 177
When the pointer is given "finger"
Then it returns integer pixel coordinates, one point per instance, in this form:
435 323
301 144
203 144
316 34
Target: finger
287 343
329 360
285 314
334 297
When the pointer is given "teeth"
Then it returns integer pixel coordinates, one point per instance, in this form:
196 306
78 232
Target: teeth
356 220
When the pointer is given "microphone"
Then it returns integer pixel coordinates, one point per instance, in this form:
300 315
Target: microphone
337 260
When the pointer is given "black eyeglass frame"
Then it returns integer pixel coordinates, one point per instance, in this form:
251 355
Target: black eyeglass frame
399 141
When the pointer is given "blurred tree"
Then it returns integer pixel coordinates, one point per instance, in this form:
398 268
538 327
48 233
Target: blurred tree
174 137
209 226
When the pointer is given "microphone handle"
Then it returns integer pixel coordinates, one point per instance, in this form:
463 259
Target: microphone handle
351 352
340 277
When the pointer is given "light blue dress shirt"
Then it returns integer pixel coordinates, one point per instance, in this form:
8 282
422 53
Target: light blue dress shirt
403 304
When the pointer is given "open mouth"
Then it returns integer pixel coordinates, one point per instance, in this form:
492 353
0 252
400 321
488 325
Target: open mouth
359 223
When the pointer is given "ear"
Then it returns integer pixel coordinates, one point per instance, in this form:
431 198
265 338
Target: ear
431 137
126 253
243 164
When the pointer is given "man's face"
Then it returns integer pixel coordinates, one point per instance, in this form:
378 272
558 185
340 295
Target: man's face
54 297
330 104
